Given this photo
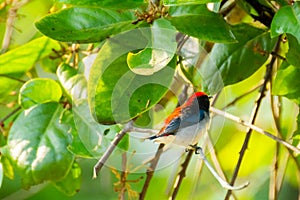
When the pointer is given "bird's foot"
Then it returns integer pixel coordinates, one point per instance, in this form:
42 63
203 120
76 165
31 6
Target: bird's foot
196 148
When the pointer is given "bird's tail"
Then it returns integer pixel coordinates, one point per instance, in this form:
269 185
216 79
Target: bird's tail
152 137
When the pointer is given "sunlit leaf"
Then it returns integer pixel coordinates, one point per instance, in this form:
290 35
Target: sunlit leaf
159 51
199 22
117 94
84 25
37 145
187 2
39 90
287 82
73 82
21 59
287 20
113 4
71 183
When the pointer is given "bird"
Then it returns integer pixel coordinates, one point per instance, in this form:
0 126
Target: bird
187 123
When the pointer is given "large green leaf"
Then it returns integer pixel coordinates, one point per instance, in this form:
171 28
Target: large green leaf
293 53
113 4
287 83
158 53
287 20
71 183
187 2
21 59
199 22
230 63
83 25
37 145
39 90
117 94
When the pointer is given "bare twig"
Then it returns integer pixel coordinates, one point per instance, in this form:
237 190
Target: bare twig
267 78
12 15
111 148
255 128
10 114
150 171
181 174
223 183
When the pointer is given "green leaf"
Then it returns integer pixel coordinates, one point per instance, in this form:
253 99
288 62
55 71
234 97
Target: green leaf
117 94
7 167
37 145
199 22
39 90
76 147
287 82
158 53
230 63
74 83
293 53
84 25
23 58
287 20
1 174
113 4
187 2
71 183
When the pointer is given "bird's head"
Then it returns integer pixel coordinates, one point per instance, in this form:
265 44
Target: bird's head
199 99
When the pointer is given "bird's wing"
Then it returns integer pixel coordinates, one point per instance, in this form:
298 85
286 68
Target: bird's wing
172 124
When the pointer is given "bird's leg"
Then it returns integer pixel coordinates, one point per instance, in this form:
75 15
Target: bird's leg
224 184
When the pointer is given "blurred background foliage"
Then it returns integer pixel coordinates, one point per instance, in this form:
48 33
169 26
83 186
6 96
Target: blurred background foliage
63 40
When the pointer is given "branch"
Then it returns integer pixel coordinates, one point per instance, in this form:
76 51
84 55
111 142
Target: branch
223 183
181 174
255 128
12 14
111 148
150 171
9 115
252 120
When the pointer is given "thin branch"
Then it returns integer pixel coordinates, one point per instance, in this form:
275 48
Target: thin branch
252 120
150 171
10 114
12 78
223 183
181 174
233 102
11 17
111 148
255 128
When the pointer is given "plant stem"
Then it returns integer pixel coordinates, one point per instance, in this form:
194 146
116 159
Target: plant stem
150 171
181 174
252 120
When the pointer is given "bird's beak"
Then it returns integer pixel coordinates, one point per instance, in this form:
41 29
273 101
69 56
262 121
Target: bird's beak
210 97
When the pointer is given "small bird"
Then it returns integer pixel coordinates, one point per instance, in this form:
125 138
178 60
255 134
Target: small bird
187 123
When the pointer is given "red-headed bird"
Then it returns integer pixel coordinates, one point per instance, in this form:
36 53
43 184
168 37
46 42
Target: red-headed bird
187 123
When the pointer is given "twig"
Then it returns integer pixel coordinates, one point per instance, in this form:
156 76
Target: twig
181 174
111 148
242 96
150 171
12 14
223 183
252 120
10 114
255 128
